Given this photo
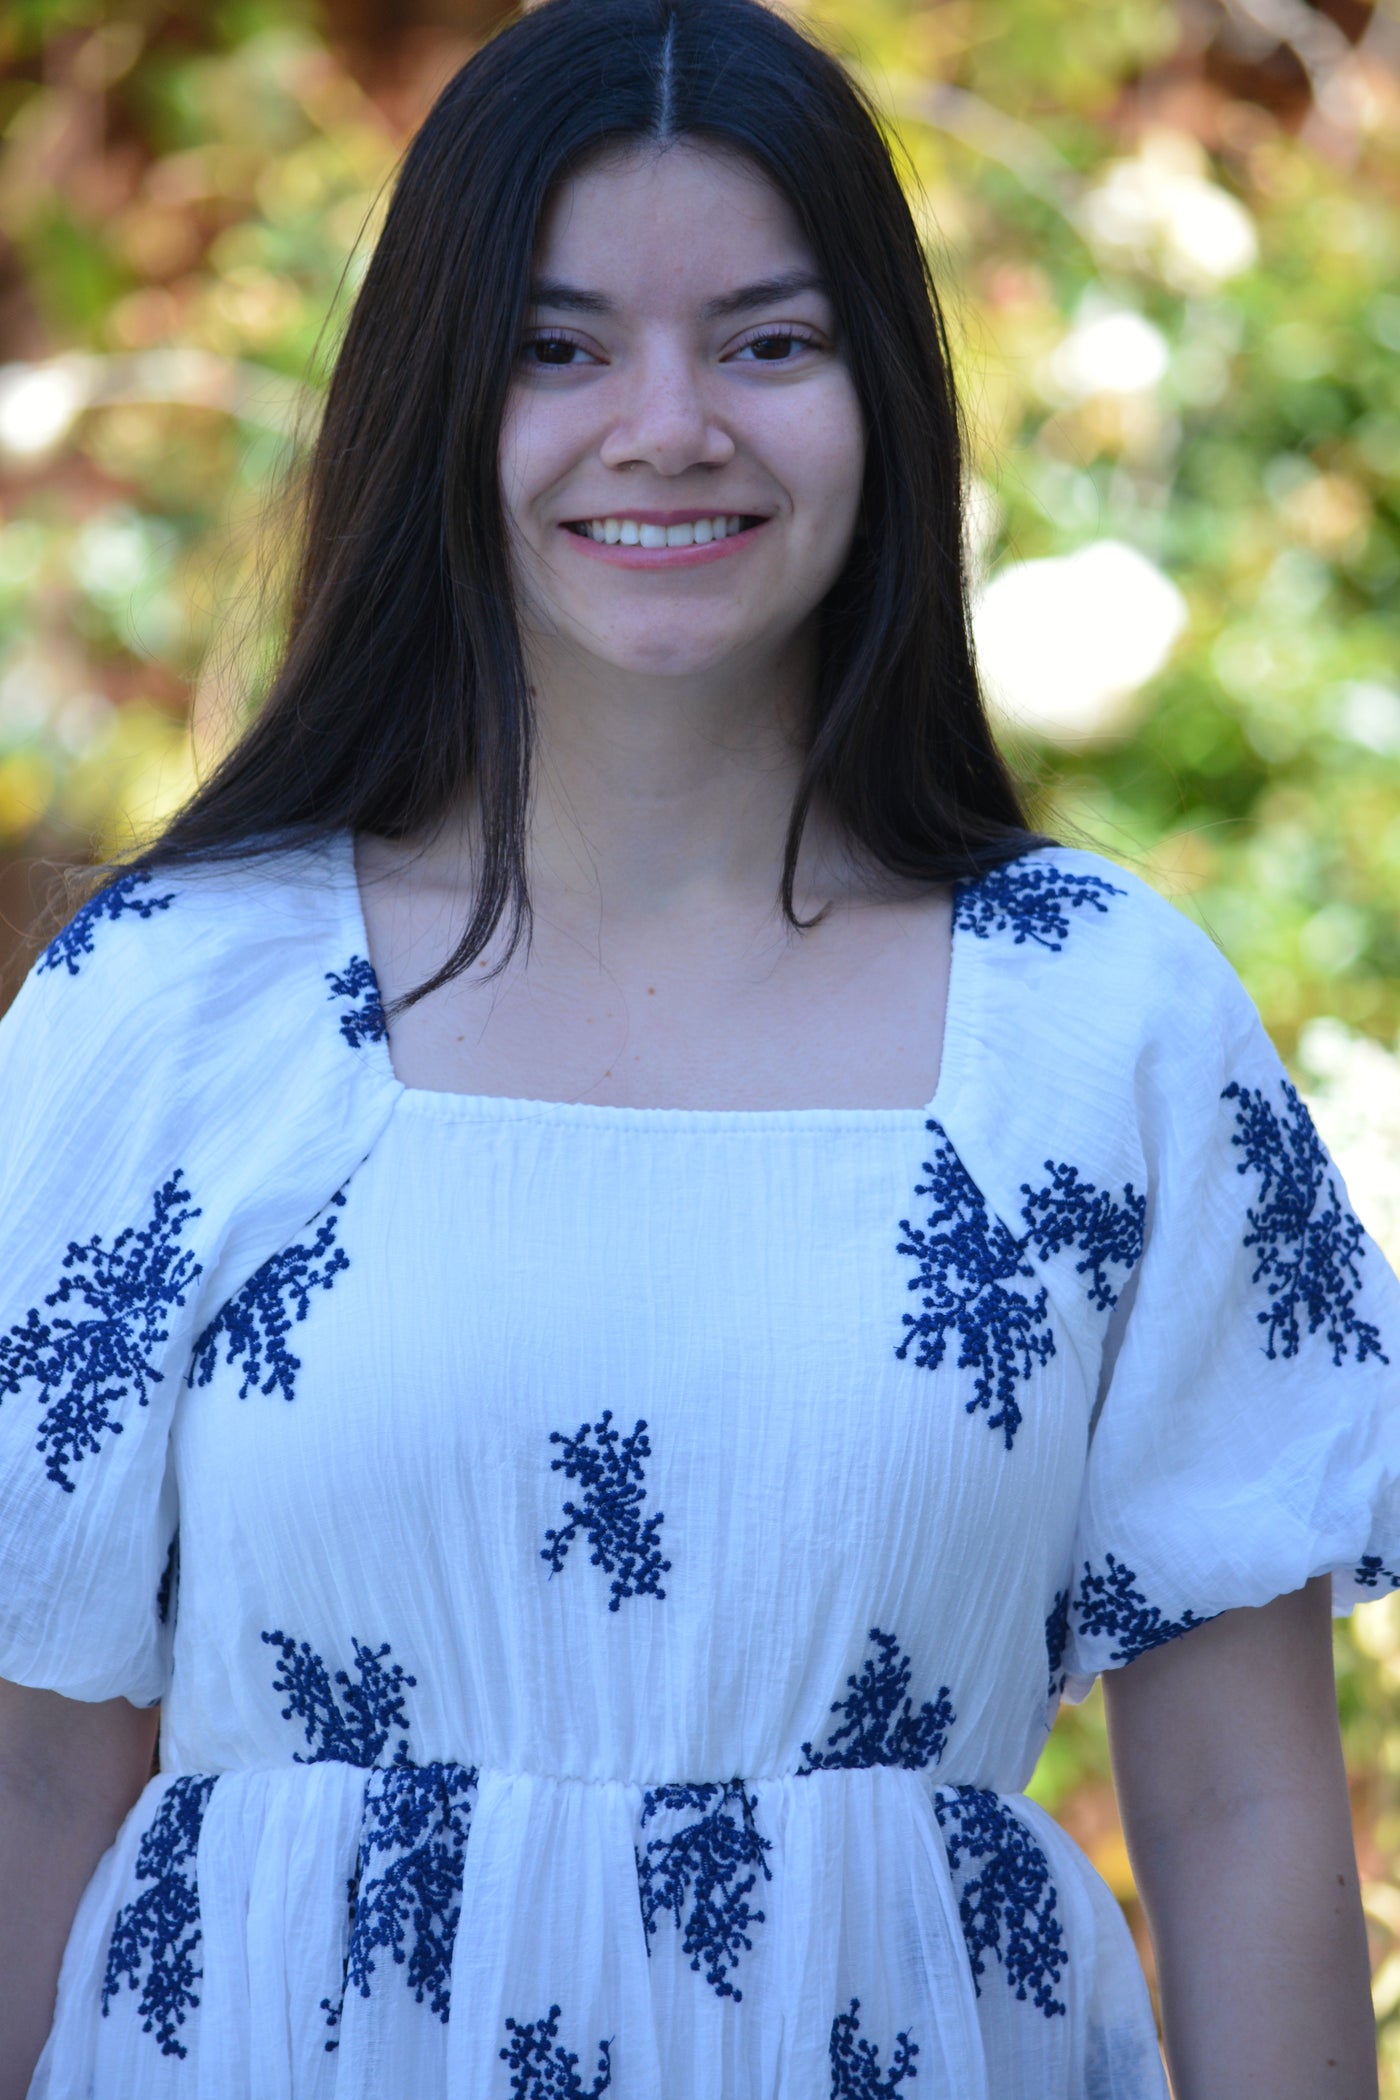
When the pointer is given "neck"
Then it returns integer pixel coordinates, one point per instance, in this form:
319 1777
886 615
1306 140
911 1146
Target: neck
667 796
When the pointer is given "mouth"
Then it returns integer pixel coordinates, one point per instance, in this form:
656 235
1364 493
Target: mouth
652 531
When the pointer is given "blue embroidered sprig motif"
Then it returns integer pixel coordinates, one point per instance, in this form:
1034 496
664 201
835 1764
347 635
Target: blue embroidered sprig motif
1111 1603
1008 1908
156 1937
256 1321
84 1368
1308 1252
969 1260
624 1544
880 1725
1372 1573
351 1726
855 2065
1030 900
1073 1213
68 947
363 1018
408 1874
700 1864
1056 1641
542 2072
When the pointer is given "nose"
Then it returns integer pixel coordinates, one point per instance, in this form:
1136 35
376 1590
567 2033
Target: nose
665 420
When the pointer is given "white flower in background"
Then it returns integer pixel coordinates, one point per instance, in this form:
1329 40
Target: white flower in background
1109 350
121 560
981 523
1064 643
39 402
1352 1086
113 553
1159 210
1366 712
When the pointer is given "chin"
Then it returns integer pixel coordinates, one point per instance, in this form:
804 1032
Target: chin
670 662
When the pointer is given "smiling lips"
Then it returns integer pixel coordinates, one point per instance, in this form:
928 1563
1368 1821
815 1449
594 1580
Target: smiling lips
663 539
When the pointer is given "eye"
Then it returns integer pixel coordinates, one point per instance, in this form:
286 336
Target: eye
777 346
550 350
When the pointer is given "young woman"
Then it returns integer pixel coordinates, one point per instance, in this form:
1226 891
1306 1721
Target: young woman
608 1472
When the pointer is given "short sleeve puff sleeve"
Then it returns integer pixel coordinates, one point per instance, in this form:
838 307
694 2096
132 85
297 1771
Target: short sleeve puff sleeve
176 1097
1247 1436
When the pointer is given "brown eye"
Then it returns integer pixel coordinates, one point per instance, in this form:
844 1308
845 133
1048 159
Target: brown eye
776 346
551 350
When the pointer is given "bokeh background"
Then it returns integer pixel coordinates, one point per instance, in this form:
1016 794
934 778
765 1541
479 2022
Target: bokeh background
1168 238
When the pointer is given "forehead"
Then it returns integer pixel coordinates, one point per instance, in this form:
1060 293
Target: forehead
660 227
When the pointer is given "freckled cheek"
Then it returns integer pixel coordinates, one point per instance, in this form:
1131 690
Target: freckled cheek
536 451
824 450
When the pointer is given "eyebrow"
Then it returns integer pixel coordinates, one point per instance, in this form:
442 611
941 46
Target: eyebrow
572 298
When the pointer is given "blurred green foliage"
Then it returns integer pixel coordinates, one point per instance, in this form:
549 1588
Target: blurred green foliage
1168 242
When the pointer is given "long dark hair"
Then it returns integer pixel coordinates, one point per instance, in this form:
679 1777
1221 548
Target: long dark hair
402 677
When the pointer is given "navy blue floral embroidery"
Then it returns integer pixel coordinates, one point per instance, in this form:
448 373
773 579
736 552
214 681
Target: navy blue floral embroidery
156 1937
68 947
1056 1641
1008 1908
699 1864
1307 1254
624 1544
880 1725
1372 1573
86 1368
408 1873
363 1018
542 2072
1073 1213
1111 1603
169 1580
1030 900
351 1726
256 1321
968 1261
855 2065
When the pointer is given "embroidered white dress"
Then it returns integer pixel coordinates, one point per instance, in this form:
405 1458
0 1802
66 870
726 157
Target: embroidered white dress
608 1573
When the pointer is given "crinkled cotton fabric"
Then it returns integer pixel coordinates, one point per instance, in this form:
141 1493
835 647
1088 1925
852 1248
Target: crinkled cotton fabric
608 1573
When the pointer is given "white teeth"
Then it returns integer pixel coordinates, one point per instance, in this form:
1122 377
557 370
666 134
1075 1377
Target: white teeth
627 532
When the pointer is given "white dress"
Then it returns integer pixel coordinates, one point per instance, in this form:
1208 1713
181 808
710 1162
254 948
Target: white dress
608 1573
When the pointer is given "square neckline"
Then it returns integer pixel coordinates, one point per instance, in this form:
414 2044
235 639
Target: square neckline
451 1105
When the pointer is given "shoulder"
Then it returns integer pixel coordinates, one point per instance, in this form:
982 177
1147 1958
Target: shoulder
165 931
1091 1019
173 969
217 1026
1080 926
154 919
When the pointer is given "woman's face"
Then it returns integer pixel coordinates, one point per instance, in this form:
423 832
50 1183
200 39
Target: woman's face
680 371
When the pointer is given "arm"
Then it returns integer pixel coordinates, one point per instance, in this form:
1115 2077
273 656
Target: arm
69 1772
1228 1765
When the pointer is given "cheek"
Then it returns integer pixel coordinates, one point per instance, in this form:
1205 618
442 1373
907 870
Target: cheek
529 456
828 453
